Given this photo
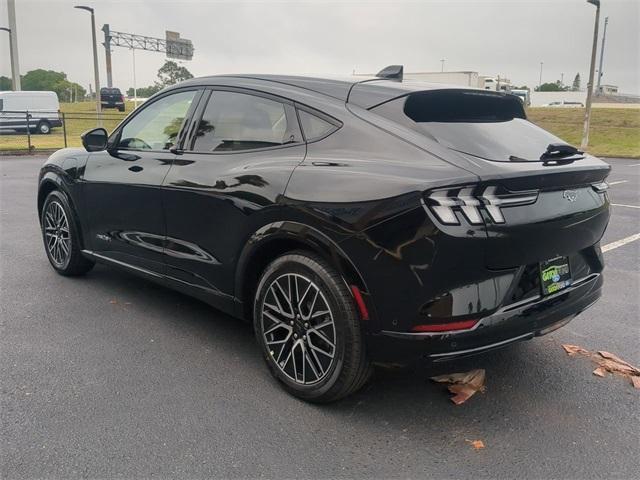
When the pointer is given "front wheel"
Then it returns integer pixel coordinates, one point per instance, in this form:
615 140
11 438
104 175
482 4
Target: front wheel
307 325
61 236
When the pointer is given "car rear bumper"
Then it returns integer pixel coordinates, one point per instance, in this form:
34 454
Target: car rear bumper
520 321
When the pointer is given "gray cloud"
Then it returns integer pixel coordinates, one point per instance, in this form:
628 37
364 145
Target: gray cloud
509 37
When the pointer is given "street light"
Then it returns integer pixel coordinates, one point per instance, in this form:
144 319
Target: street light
95 58
13 71
587 112
540 81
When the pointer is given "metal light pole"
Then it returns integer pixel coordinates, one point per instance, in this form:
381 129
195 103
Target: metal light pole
442 66
95 59
604 36
13 73
135 88
13 44
540 81
587 112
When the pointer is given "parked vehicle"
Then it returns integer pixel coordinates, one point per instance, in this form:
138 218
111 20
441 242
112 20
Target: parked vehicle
351 221
564 104
523 95
36 111
111 98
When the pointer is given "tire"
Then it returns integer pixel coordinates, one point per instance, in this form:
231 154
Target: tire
61 238
326 316
44 127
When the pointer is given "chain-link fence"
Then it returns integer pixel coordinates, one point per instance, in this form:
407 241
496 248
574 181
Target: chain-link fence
50 130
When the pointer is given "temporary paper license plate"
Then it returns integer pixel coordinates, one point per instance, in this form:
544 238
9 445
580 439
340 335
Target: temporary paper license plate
555 275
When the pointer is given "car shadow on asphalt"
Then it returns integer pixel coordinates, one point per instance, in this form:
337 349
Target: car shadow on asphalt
521 379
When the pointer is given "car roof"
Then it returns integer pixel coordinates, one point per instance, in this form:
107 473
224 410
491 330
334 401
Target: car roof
365 92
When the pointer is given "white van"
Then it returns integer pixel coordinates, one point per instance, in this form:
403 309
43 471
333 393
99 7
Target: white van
43 111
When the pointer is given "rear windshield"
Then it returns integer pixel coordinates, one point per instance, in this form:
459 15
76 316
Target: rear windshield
110 91
490 125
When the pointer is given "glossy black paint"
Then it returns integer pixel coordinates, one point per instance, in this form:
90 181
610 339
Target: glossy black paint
208 223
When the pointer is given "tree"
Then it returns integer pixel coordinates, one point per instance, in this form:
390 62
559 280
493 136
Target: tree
5 83
171 73
48 80
551 87
576 83
145 92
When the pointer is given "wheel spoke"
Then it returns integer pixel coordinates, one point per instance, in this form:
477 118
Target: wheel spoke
56 233
286 331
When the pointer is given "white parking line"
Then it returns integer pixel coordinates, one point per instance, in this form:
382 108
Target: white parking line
623 205
619 243
617 182
635 165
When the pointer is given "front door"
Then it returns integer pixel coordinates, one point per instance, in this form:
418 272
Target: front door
122 186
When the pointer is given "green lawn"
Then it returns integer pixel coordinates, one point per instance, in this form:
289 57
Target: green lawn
614 131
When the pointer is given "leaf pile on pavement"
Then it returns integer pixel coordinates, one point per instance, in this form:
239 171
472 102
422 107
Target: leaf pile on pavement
463 385
607 362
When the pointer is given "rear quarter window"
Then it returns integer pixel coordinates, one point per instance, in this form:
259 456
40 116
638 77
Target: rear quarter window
314 127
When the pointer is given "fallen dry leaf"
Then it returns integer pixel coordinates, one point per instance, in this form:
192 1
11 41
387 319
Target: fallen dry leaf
574 349
607 362
463 385
600 372
477 444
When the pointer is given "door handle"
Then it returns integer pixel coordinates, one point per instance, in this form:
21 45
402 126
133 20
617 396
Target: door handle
136 168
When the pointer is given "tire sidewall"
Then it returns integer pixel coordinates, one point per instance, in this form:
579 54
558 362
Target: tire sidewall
315 272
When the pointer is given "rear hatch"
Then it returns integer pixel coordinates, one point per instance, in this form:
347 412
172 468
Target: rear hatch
538 196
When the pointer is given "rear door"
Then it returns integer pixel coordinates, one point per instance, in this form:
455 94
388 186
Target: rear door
122 185
242 149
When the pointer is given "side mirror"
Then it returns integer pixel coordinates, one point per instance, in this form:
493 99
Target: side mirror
95 140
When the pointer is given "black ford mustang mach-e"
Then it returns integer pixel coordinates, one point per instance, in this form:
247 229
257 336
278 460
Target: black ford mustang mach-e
352 221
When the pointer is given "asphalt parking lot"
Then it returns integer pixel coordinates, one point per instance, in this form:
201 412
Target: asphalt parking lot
111 376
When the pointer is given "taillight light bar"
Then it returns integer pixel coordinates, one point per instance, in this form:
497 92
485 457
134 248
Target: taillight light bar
471 201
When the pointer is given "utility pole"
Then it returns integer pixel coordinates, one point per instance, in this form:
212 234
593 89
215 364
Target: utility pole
135 88
96 73
540 81
594 48
107 53
604 35
562 79
442 64
13 44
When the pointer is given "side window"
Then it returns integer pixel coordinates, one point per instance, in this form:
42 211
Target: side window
1 104
236 121
314 127
157 125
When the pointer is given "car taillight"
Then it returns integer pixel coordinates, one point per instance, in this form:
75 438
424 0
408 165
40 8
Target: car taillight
471 201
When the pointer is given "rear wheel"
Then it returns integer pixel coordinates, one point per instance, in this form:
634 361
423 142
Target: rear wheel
61 238
44 127
307 325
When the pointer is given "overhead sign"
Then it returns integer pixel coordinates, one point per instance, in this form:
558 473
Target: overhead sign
178 48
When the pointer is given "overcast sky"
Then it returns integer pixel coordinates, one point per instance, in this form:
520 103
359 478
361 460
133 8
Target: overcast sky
506 37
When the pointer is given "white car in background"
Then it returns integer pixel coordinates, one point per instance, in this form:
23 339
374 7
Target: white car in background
36 111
